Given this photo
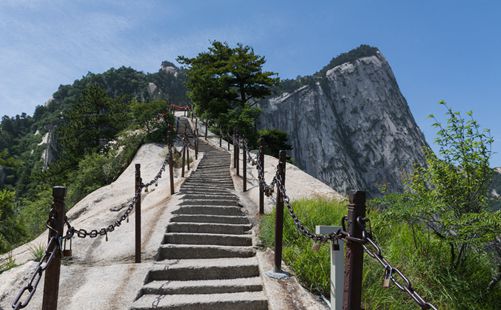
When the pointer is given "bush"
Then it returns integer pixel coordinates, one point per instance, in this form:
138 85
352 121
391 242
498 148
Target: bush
427 269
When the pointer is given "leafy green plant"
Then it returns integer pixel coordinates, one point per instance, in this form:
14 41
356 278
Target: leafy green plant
37 252
449 196
8 263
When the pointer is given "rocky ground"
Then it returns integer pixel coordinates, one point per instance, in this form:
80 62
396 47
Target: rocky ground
102 274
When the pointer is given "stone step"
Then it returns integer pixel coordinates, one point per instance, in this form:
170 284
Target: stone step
205 179
209 196
206 218
191 251
228 301
204 269
213 210
204 286
211 182
211 228
206 188
213 191
210 202
213 239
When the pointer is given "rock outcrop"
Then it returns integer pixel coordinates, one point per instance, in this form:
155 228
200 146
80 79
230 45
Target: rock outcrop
349 126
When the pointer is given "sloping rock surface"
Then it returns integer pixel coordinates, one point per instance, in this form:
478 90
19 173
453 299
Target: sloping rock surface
351 127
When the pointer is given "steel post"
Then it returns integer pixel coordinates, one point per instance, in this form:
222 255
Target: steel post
53 271
137 192
352 294
279 221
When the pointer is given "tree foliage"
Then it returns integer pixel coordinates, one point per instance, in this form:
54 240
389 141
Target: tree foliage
449 195
224 84
273 141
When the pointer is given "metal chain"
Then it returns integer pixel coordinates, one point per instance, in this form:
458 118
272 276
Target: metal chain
367 241
159 174
392 273
319 238
83 233
53 246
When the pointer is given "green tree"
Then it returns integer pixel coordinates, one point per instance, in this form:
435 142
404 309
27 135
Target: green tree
449 196
227 81
273 141
10 229
94 120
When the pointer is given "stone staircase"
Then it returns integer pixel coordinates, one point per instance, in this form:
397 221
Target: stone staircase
206 259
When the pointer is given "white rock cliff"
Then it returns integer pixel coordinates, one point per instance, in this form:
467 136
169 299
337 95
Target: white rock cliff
351 128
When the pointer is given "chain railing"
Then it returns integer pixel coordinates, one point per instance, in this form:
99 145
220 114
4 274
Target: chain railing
370 247
54 245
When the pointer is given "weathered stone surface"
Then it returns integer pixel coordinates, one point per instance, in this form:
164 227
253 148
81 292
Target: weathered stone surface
351 128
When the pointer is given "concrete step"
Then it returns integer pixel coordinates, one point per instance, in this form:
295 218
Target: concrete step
209 202
213 239
204 286
206 188
191 251
204 269
229 301
209 196
213 210
211 228
211 182
207 218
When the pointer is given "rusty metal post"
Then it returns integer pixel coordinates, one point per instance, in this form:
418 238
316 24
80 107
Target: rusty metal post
53 271
206 129
196 147
279 220
237 152
187 158
196 125
220 141
261 177
234 151
138 190
228 137
352 293
183 162
171 171
244 168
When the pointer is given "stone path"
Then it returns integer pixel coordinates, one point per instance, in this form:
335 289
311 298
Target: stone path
206 260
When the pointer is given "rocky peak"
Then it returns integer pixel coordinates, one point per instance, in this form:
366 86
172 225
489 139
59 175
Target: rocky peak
349 125
169 67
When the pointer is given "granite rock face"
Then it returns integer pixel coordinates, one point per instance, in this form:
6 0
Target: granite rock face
351 127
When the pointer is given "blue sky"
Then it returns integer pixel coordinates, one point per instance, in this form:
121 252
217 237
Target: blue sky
443 49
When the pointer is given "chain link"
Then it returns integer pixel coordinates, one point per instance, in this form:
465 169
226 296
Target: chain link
52 247
392 273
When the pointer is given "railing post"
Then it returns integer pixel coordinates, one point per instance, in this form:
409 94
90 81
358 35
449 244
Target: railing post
138 213
279 221
187 157
261 177
244 169
206 129
53 271
234 151
352 294
237 152
183 162
228 142
196 146
171 171
196 125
